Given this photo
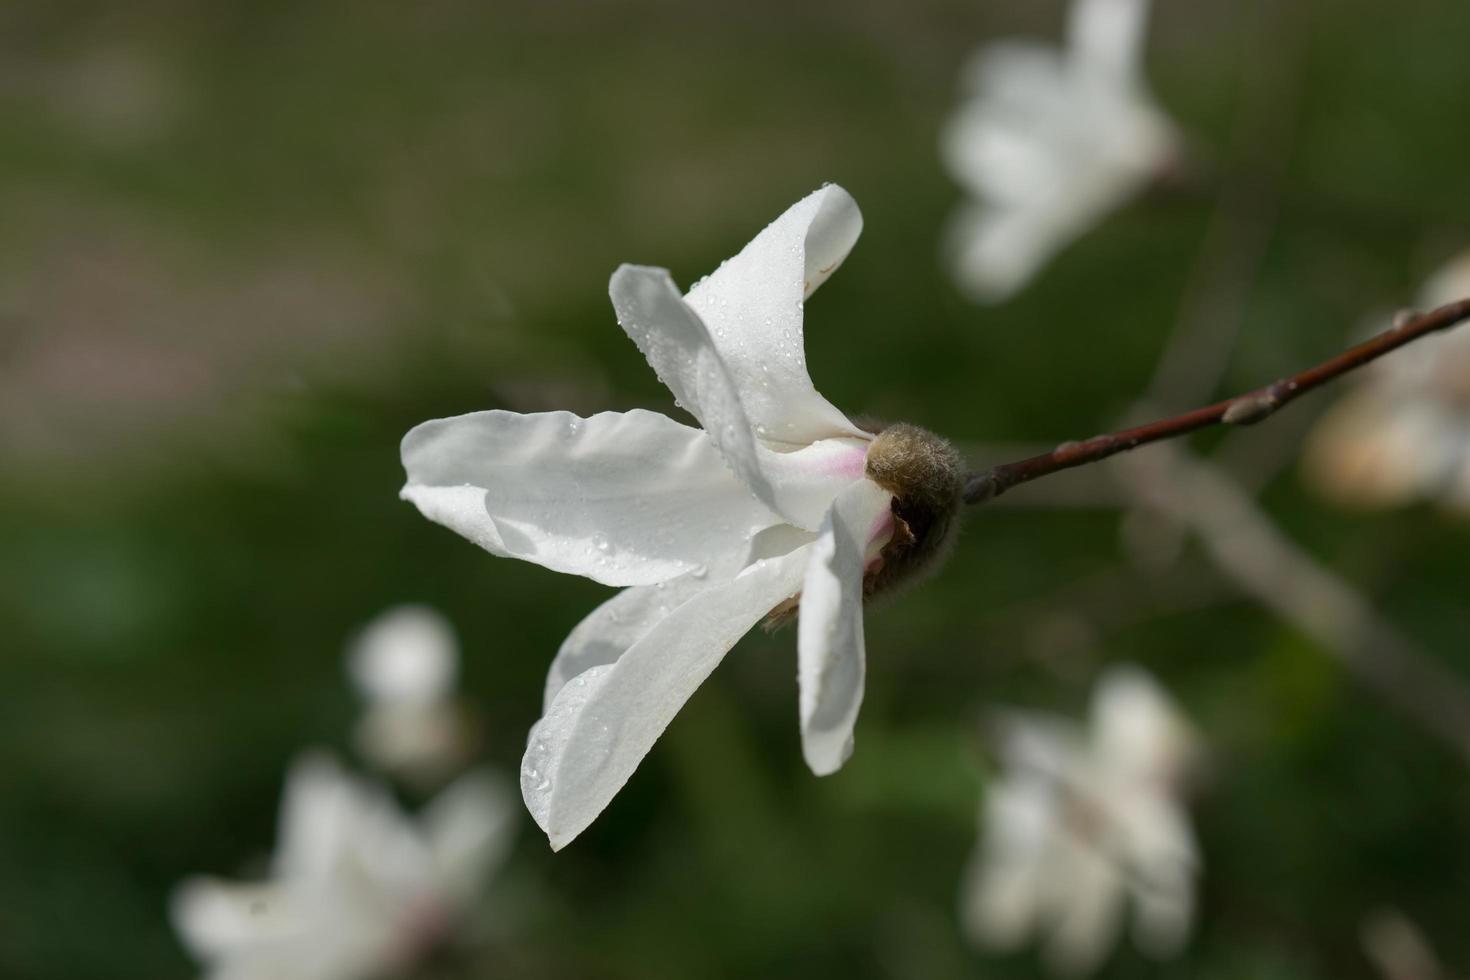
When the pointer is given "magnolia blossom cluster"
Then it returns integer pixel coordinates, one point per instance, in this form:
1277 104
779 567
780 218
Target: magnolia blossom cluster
775 505
357 888
1083 821
1048 141
1403 432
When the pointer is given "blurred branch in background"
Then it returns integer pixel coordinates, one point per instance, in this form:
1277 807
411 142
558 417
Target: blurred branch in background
1267 565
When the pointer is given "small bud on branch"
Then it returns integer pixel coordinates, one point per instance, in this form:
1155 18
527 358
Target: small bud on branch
1246 409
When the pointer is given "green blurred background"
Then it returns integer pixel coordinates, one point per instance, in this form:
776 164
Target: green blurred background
245 246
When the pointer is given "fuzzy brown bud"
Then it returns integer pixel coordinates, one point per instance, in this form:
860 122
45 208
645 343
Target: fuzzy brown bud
925 476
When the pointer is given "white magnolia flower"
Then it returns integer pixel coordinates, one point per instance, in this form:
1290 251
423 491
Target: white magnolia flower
1079 822
405 664
356 888
712 529
1048 141
1403 432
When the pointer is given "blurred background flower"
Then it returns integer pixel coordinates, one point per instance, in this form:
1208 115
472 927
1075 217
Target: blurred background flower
247 246
1084 823
1403 432
356 888
405 664
1048 141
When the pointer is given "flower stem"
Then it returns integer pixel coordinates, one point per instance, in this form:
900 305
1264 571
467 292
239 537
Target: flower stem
1246 409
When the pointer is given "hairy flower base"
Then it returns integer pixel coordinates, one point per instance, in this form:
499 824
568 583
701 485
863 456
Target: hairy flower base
925 475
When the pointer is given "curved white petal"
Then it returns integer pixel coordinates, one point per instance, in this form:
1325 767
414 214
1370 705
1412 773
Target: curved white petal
799 485
994 253
1000 903
1087 903
216 918
610 629
807 480
753 306
831 662
682 353
468 828
318 819
1106 36
602 723
622 498
1137 733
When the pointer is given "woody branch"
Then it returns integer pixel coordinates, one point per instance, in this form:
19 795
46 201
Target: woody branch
1245 409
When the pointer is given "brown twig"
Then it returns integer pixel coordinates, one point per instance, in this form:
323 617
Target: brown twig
1246 409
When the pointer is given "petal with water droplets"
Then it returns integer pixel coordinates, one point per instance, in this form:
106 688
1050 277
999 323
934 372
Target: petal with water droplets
798 484
623 498
830 652
753 304
602 723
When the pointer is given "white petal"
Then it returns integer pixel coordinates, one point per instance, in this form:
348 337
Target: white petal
469 828
610 629
1006 143
807 480
1164 860
407 655
216 918
1086 893
1106 36
799 485
1137 734
753 305
624 499
831 662
683 355
602 723
996 253
999 905
317 820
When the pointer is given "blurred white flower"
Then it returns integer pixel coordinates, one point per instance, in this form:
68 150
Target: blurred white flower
1081 821
404 664
1402 433
1047 142
356 888
712 529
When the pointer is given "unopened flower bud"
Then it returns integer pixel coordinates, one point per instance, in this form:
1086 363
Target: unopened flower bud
925 475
